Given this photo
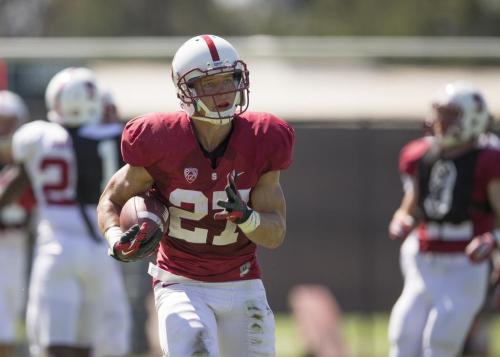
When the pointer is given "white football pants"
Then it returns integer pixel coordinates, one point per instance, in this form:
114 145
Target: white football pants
77 298
442 294
12 283
214 319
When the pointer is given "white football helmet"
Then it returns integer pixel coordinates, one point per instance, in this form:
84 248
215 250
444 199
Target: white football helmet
73 98
13 113
462 113
11 105
209 55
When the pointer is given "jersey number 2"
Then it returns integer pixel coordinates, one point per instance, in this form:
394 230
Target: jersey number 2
56 191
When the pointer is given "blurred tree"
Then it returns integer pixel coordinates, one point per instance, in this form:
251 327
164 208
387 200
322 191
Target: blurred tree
246 17
137 18
22 17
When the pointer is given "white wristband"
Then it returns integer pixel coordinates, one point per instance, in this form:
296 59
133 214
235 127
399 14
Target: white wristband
113 235
251 223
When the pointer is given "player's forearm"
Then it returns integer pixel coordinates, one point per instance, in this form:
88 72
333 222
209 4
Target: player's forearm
125 183
16 183
108 214
403 214
270 232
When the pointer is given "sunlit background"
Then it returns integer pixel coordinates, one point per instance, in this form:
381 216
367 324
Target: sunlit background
354 77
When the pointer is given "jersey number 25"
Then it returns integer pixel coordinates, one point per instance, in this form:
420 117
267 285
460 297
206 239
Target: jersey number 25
200 202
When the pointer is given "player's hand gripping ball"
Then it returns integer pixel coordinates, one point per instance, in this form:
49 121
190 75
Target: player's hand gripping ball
143 220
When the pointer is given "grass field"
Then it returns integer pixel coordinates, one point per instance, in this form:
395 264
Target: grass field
365 336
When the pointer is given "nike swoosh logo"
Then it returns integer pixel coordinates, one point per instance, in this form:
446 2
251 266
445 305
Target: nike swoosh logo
240 173
127 252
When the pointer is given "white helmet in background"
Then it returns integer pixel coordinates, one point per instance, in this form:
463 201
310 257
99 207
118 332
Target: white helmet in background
11 105
209 55
13 114
462 113
73 98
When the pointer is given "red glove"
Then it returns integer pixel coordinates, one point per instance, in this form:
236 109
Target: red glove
401 226
480 248
136 243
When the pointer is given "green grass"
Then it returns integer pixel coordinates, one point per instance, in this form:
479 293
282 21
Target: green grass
365 335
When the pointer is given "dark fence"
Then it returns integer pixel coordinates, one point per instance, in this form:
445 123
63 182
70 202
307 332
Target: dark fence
341 191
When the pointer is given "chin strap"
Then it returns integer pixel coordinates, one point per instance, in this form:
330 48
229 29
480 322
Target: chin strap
220 121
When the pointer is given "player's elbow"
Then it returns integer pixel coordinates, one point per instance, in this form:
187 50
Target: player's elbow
278 238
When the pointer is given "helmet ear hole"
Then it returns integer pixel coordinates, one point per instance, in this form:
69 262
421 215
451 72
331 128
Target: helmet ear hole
190 83
238 76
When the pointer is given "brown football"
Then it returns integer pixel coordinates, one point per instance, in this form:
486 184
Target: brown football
144 208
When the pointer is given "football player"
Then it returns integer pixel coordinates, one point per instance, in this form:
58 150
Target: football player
14 221
217 168
66 159
112 341
452 198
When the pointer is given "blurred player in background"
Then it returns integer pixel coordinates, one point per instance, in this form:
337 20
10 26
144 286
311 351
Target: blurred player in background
14 220
476 342
67 159
410 246
319 320
217 168
452 195
112 341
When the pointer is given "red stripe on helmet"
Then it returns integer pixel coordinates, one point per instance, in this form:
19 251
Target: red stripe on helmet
211 46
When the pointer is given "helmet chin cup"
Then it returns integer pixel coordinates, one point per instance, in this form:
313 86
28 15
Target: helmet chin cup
448 141
222 121
202 112
196 114
455 137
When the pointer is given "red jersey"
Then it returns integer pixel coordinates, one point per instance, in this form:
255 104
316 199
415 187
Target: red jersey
452 194
196 246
